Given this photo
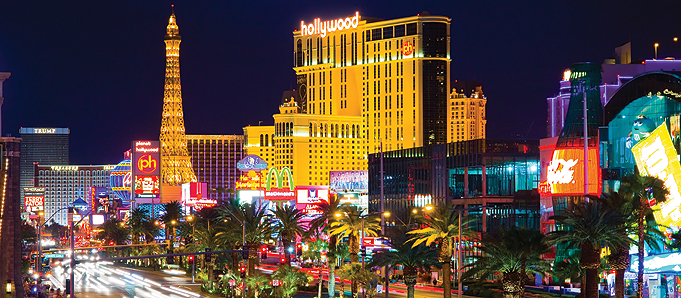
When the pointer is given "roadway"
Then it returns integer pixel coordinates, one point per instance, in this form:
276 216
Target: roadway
107 280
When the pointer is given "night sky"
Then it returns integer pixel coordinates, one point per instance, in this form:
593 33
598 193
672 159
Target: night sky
97 67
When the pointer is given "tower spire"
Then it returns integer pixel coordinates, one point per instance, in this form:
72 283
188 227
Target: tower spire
176 164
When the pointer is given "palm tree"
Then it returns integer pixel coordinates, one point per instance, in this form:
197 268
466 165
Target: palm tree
136 221
251 219
172 217
258 283
288 226
589 226
441 226
513 253
208 238
413 258
323 223
352 224
344 273
314 253
646 191
290 278
113 232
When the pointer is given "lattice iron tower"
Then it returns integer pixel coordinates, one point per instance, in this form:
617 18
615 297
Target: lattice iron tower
176 167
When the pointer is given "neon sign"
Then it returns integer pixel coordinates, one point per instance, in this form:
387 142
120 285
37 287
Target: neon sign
321 28
656 156
64 168
565 173
279 175
407 48
147 164
146 186
44 130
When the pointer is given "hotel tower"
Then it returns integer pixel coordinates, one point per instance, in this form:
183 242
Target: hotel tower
394 74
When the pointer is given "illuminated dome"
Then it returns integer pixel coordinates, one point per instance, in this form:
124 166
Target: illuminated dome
120 179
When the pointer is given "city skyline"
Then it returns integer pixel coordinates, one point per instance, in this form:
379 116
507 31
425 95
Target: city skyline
237 61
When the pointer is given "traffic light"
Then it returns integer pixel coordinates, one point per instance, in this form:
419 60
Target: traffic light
191 258
263 252
299 249
242 269
208 255
282 260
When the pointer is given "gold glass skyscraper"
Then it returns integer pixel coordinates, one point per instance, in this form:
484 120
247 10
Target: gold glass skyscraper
394 74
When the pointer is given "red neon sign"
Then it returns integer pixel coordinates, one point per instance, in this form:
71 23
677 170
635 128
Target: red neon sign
147 164
407 48
565 173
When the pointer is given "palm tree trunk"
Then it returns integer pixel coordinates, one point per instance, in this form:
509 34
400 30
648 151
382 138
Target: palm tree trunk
619 283
332 277
446 279
641 248
513 285
410 274
591 283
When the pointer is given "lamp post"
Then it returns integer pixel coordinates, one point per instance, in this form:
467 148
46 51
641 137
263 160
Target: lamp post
190 218
40 248
73 254
656 45
458 250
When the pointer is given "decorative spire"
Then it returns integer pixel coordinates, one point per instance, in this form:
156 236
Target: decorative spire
176 167
172 31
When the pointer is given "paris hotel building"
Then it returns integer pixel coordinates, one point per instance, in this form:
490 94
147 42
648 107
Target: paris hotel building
361 82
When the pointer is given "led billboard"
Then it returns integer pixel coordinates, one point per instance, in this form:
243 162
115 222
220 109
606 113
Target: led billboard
34 199
195 194
309 197
565 172
146 169
656 156
349 180
146 186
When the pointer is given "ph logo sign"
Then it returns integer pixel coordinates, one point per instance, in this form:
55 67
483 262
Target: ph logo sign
147 164
407 48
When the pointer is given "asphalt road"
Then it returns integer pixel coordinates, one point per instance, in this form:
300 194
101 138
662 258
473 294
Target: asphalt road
116 281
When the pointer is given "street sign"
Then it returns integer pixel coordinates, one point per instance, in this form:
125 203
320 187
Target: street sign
54 256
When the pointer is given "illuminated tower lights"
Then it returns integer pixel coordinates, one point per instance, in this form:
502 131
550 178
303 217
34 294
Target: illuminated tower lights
176 163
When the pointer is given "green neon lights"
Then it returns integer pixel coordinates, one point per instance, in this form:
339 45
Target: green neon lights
279 175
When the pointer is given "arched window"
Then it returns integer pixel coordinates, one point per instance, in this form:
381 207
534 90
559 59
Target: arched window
321 130
331 130
337 134
272 139
326 130
310 133
353 130
267 141
262 141
342 130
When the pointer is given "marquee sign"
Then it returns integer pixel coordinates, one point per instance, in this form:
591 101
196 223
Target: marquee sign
565 172
251 163
655 156
277 194
308 198
34 198
322 28
146 169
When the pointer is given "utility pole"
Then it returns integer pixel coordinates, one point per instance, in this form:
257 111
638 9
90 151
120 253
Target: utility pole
73 254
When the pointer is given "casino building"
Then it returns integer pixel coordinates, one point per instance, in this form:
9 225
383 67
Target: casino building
393 74
214 159
65 184
49 146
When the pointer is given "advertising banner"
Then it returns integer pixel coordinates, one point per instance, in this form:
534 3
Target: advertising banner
279 194
146 169
349 180
309 197
565 172
195 194
34 198
655 156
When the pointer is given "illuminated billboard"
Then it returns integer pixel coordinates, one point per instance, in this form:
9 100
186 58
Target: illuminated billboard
251 163
565 172
278 194
309 197
656 156
146 186
349 180
34 199
146 169
195 194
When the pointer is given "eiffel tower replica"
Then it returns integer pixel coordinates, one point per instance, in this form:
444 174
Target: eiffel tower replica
176 166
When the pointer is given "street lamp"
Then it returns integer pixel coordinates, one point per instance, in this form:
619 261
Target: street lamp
190 219
656 45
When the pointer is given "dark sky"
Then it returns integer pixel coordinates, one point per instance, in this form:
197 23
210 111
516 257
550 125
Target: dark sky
97 67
